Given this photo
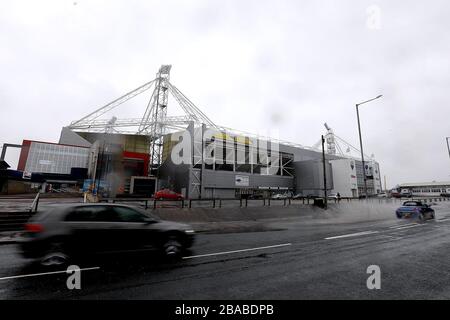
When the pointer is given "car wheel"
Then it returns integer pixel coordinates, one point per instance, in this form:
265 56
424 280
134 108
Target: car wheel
432 216
421 217
55 256
172 248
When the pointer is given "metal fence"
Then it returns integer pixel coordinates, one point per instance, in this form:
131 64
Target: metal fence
12 221
243 203
207 202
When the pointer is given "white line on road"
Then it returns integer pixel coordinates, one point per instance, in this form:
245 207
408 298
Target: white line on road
442 220
402 225
237 251
45 273
392 237
409 226
363 233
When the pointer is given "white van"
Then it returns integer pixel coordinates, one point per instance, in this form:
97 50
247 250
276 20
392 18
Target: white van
406 193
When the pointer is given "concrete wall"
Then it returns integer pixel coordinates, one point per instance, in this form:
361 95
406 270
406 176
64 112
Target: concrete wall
309 177
223 184
344 177
227 179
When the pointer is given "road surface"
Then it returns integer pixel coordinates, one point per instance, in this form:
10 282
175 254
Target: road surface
293 258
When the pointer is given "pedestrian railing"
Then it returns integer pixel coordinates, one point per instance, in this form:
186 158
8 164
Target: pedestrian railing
218 202
16 220
35 203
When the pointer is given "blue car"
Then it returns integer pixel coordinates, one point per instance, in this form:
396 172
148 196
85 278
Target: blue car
415 209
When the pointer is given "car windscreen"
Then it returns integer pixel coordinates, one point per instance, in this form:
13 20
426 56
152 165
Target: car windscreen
410 204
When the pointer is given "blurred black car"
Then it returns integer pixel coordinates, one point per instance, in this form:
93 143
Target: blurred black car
57 236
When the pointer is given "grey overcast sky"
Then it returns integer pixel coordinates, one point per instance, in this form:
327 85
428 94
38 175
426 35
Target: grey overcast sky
287 66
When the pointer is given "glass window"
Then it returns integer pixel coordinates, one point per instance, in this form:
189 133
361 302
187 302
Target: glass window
86 213
129 215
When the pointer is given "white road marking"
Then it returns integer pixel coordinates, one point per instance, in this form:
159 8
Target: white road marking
408 227
236 251
392 237
363 233
442 220
402 225
44 273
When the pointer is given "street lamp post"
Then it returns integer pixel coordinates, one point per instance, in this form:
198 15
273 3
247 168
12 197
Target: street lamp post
361 144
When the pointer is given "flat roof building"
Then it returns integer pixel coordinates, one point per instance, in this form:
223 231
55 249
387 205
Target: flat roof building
426 189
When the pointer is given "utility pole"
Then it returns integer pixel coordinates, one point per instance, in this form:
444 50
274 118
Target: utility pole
361 143
362 154
324 175
448 146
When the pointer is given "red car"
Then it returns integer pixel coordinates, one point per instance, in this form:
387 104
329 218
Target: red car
168 194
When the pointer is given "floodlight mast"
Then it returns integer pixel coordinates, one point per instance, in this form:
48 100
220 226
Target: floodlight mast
158 114
85 121
331 144
154 123
339 145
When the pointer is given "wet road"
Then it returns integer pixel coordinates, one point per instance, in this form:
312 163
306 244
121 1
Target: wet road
300 258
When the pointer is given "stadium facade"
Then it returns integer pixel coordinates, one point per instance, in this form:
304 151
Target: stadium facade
141 155
236 166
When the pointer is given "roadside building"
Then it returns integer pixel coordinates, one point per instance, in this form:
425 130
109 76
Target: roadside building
425 189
